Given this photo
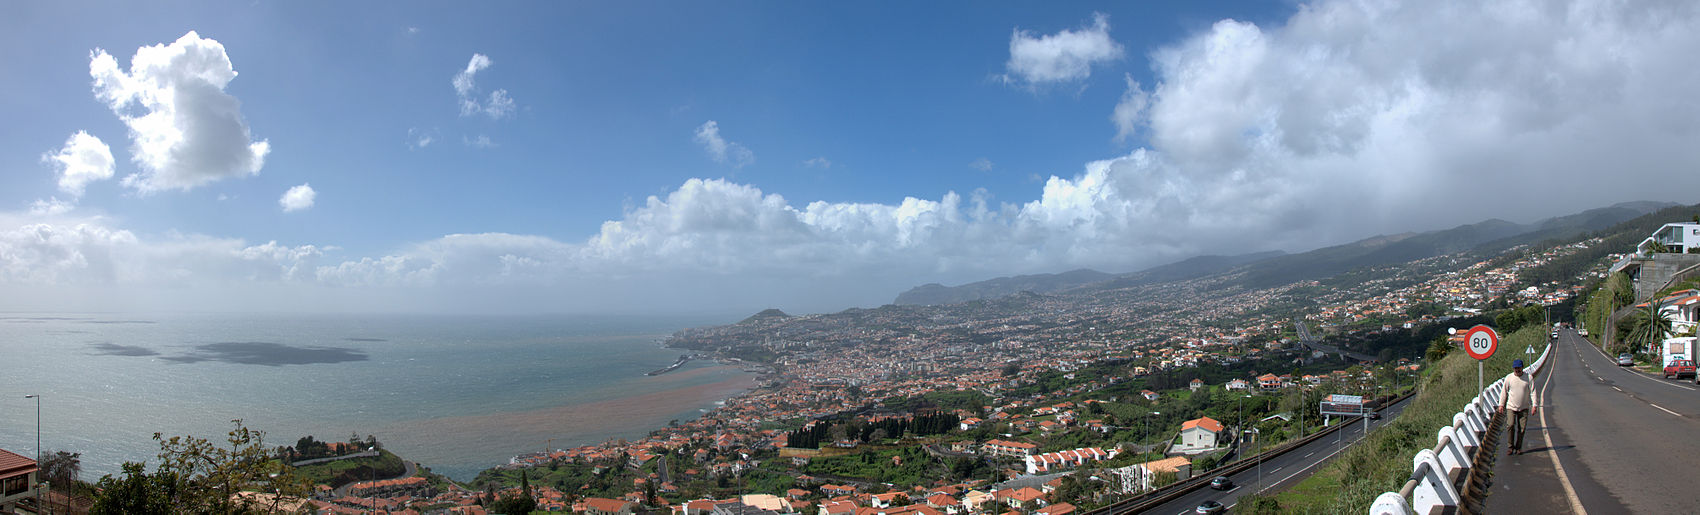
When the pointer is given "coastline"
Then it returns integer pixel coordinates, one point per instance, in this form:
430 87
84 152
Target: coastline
596 423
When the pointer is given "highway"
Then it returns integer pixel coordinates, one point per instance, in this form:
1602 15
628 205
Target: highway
1621 441
1283 471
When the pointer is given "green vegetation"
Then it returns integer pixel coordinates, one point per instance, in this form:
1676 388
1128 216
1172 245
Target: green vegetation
198 476
1352 481
341 472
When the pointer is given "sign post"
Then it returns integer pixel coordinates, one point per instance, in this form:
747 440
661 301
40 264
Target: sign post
1480 342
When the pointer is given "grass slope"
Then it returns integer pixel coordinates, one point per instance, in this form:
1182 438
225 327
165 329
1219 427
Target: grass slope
1351 481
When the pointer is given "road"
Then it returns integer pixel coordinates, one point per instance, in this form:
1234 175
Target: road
1313 343
1621 441
1283 471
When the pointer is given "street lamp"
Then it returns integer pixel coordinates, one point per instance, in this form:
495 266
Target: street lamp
38 454
1258 437
1147 431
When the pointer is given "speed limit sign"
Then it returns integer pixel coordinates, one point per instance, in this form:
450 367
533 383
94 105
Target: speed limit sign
1480 342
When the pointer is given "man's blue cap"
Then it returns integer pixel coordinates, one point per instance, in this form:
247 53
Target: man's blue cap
1516 363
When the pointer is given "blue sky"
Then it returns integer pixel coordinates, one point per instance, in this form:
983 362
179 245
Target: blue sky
812 156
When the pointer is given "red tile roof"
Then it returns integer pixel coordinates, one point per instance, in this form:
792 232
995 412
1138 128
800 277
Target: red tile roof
14 464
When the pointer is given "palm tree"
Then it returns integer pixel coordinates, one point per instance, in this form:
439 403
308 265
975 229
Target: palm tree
1649 327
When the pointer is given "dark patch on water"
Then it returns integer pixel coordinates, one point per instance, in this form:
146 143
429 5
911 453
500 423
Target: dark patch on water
366 339
268 353
113 349
122 322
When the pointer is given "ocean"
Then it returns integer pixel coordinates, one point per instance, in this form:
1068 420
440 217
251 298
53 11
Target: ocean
457 394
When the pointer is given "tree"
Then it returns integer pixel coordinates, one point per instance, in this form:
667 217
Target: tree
136 493
1438 349
61 468
197 476
1648 326
514 505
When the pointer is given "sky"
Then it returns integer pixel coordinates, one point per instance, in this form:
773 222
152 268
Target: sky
697 157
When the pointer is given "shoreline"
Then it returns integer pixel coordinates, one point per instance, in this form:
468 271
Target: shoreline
619 419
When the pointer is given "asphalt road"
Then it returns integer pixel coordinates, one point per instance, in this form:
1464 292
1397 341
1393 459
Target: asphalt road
1283 471
1623 440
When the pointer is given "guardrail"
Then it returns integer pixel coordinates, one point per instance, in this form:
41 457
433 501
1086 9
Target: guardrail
1436 473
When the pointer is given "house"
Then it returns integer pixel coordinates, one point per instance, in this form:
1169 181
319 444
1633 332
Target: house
604 506
1198 435
1061 460
1057 509
969 423
1194 385
17 474
1238 385
1142 477
1008 448
1149 395
1014 498
1269 382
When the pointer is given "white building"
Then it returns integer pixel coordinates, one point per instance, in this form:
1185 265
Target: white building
1677 238
1198 435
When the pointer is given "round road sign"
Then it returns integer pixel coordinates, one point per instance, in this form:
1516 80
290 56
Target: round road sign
1480 342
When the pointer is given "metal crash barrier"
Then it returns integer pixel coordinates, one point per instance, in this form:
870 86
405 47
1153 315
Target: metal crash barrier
1441 476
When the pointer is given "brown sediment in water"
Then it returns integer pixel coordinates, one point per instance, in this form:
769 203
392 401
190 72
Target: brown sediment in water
503 435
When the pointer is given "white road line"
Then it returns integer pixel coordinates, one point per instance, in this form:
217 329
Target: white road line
1313 464
1616 388
1307 455
1277 469
1662 408
1546 431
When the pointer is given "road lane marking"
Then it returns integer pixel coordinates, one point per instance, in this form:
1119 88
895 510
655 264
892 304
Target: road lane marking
1662 408
1307 455
1546 431
1616 388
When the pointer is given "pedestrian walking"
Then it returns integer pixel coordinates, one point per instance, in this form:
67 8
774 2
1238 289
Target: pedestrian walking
1520 398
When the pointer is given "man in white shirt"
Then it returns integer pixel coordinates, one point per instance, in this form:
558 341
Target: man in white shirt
1521 399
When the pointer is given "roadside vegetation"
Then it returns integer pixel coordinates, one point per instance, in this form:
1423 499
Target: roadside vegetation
1381 463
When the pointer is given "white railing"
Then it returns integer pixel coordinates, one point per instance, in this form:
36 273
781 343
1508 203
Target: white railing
1435 473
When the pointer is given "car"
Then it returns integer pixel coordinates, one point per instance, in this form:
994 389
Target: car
1210 507
1679 368
1625 360
1375 415
1221 483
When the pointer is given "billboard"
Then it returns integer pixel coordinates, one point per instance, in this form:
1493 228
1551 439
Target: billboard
1343 405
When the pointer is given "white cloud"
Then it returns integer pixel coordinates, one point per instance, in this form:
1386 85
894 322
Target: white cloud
722 151
498 106
51 207
418 138
83 159
298 198
1066 56
481 141
1130 110
819 162
981 164
412 30
185 131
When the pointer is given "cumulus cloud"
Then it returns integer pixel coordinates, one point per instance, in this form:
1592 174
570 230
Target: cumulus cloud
819 162
1066 56
1130 110
482 141
185 131
299 198
981 164
83 159
720 150
499 105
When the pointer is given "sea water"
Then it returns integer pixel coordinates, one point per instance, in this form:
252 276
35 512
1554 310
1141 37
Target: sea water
457 394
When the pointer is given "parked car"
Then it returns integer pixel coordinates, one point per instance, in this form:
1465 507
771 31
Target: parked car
1221 483
1679 368
1625 360
1210 508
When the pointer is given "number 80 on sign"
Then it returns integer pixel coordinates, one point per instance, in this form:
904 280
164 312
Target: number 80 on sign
1480 342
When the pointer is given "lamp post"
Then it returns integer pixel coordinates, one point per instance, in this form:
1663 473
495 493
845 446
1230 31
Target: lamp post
37 398
1147 431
